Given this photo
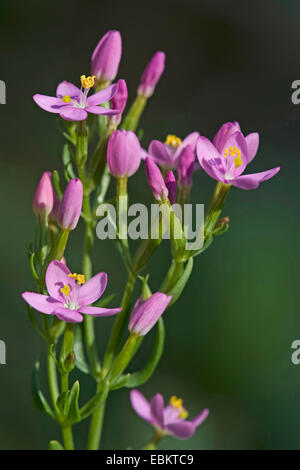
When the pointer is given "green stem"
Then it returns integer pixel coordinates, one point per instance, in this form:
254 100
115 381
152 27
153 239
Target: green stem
52 378
117 330
153 443
96 426
67 437
216 206
131 121
67 348
172 275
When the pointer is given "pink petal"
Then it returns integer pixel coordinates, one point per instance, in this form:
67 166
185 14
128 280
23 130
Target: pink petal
92 289
160 153
41 302
140 405
210 159
171 415
101 110
56 278
67 88
197 420
236 140
68 315
157 409
69 113
182 429
253 180
49 103
102 96
98 311
191 140
252 141
224 133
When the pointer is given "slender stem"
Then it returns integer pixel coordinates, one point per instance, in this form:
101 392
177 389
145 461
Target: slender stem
131 121
116 334
96 426
172 275
67 438
67 348
153 443
52 378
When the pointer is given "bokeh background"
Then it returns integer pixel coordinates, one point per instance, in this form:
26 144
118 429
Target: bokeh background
228 343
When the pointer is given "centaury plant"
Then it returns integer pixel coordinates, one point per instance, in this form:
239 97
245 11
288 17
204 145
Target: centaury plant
102 147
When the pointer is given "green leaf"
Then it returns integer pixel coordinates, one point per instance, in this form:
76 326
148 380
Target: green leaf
63 403
81 362
138 378
105 301
32 267
67 163
120 382
94 402
55 445
73 414
177 289
39 400
56 184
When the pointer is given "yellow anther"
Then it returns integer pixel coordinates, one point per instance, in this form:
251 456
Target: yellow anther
173 141
238 161
226 153
67 99
78 277
177 403
87 82
65 290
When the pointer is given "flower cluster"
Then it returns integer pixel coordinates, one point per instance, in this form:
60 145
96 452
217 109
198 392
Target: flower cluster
102 146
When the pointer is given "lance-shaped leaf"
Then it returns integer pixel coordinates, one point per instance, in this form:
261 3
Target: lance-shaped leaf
138 378
81 362
67 163
177 289
39 400
94 402
73 408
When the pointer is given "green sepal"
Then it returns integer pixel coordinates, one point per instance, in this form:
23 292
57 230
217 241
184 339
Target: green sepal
81 362
220 229
55 445
55 178
177 289
62 403
39 400
138 378
32 267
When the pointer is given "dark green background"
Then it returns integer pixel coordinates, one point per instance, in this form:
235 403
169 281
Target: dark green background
228 344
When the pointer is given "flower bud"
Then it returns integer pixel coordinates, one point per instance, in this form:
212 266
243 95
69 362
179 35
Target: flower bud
152 74
43 198
123 153
106 57
155 180
70 206
145 314
170 183
119 101
186 166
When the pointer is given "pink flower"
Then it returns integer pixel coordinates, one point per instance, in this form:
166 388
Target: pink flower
167 154
73 104
228 156
146 313
70 206
119 100
169 419
106 57
123 153
67 298
155 180
43 200
170 183
152 74
186 166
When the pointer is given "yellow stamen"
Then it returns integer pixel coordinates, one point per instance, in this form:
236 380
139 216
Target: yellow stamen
67 99
177 403
78 277
87 82
65 290
173 141
238 161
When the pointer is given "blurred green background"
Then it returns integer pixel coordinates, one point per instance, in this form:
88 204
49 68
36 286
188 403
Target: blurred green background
228 343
